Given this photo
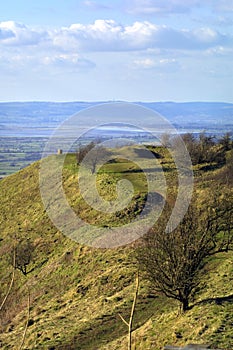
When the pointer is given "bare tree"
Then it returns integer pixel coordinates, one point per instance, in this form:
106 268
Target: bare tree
204 148
229 167
27 320
83 151
23 255
175 261
96 155
226 141
20 257
129 324
11 282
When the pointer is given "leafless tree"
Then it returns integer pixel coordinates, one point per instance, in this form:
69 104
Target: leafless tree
226 141
175 261
94 156
20 257
12 280
27 320
129 324
23 255
83 151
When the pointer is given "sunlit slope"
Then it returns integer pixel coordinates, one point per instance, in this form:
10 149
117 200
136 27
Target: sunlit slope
78 292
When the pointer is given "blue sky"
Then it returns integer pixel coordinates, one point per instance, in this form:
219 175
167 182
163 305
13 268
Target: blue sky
131 50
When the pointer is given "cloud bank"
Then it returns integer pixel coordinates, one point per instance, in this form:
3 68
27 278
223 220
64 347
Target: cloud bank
108 35
108 53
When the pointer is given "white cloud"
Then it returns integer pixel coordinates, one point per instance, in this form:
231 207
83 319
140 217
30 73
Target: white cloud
107 35
5 33
100 36
206 35
63 61
219 51
144 63
66 60
167 65
20 34
152 7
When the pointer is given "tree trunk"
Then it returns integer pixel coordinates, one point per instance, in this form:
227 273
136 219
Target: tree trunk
185 304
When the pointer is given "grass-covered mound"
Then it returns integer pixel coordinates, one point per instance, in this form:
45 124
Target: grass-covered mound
77 292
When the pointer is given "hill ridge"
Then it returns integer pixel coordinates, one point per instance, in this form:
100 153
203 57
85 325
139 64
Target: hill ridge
77 292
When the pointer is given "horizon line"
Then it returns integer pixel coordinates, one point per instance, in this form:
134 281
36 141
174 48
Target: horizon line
115 100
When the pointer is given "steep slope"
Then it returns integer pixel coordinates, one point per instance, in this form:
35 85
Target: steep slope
77 292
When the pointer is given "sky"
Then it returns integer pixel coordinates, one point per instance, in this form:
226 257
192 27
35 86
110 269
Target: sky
131 50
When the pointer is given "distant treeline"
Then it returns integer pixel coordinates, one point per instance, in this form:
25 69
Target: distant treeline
204 148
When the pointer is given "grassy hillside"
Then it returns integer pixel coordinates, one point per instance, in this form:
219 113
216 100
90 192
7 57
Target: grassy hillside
77 292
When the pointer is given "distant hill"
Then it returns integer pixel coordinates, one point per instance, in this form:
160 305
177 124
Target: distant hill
215 116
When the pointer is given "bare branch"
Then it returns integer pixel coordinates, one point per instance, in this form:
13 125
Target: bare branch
122 318
11 283
130 323
26 325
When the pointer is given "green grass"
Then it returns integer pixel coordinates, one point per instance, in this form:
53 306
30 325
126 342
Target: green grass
78 292
106 181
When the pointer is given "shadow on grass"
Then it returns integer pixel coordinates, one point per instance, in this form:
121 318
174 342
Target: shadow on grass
211 167
137 171
144 153
109 327
217 301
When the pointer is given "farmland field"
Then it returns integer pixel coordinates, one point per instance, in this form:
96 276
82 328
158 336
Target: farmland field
18 152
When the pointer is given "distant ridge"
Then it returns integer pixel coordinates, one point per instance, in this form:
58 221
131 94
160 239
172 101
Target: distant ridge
58 111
